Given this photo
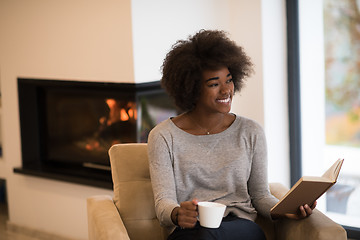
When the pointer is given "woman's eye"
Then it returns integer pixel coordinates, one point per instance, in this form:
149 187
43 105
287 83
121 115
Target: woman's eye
230 80
213 85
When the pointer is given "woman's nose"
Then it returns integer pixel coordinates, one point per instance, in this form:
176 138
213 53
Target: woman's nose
225 89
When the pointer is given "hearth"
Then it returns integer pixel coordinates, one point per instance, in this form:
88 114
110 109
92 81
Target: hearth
67 127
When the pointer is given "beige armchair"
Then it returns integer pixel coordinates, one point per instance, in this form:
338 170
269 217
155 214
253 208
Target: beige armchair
130 214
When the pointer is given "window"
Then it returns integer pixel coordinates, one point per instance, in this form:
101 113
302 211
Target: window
327 108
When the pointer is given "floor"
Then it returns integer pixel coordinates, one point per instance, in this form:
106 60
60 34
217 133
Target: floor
9 235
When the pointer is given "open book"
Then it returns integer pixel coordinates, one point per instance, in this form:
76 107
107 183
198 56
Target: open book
307 190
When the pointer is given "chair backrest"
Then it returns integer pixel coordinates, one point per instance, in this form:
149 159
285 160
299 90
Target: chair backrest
133 195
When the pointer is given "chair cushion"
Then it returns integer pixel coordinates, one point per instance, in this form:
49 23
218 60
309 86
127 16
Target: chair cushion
129 162
133 195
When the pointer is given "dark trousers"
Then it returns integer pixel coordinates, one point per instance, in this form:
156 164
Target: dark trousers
231 228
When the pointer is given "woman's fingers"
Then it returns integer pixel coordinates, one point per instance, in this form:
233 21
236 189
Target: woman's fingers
304 211
314 205
187 214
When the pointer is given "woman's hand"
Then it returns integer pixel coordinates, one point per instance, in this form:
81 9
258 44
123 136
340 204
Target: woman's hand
304 212
185 216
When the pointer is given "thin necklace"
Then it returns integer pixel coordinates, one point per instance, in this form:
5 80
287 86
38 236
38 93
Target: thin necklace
207 131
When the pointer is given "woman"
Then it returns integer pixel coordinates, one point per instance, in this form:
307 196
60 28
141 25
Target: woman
208 153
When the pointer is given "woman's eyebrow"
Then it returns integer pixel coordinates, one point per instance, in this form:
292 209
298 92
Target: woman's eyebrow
213 78
216 78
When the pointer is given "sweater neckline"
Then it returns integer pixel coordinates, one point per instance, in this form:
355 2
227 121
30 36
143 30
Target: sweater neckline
232 125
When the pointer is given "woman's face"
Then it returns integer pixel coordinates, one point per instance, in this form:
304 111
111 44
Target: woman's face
217 89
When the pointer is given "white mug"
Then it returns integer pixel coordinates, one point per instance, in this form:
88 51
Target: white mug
211 214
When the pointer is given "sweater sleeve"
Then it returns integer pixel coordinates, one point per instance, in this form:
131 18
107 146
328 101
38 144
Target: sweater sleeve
162 177
258 184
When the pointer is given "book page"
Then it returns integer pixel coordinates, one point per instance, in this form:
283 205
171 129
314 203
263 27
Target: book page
333 172
316 179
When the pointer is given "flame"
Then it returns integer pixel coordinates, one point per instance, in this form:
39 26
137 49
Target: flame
120 111
132 113
111 103
123 115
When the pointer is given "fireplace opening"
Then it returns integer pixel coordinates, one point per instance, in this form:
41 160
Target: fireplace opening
67 127
84 127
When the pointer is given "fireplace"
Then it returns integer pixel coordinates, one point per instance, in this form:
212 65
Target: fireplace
67 127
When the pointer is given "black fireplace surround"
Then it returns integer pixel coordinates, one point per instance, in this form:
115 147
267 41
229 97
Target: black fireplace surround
67 127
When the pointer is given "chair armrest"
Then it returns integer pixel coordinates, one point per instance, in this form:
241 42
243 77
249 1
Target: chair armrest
316 226
104 221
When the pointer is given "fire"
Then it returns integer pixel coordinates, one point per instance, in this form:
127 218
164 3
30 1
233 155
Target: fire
120 111
132 113
111 103
123 115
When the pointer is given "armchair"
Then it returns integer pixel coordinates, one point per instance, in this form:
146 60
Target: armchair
130 214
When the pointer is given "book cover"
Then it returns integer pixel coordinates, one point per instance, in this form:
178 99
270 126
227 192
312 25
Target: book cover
307 190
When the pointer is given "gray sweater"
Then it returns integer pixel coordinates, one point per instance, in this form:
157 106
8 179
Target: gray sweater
228 167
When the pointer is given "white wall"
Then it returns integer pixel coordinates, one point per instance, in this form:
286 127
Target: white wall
246 30
275 89
312 87
121 41
157 25
70 40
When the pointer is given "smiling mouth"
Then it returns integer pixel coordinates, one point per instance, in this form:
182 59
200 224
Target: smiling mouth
226 100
